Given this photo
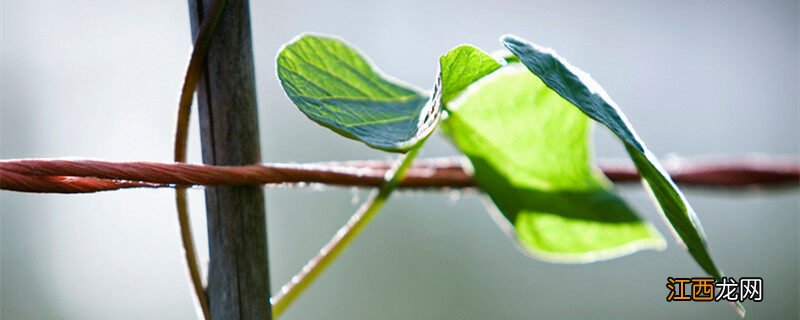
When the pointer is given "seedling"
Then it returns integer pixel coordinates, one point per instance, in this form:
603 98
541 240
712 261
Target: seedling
523 120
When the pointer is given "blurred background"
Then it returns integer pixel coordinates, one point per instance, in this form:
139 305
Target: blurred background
100 79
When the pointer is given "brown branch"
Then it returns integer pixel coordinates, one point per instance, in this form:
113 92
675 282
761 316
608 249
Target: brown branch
81 176
194 69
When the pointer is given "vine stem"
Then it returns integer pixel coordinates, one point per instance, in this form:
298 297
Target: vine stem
340 241
84 176
191 77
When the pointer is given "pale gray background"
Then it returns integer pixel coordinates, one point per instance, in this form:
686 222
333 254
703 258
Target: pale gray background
100 79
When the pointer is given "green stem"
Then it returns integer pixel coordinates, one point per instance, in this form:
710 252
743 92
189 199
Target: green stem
295 287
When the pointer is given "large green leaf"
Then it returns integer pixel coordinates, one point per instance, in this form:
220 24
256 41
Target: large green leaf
582 91
530 152
336 86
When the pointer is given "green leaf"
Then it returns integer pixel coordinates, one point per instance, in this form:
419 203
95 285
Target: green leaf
530 152
462 66
582 91
336 86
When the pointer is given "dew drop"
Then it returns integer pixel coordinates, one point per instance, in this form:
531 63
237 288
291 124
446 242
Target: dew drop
355 196
454 196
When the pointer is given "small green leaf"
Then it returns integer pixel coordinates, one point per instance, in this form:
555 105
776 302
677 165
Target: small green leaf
530 152
462 66
336 86
582 91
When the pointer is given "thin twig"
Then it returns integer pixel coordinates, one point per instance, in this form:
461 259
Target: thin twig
82 176
193 71
297 285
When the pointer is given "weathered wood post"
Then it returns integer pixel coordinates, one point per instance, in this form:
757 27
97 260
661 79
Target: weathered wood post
238 279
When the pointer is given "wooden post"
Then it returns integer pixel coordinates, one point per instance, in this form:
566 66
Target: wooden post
238 276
